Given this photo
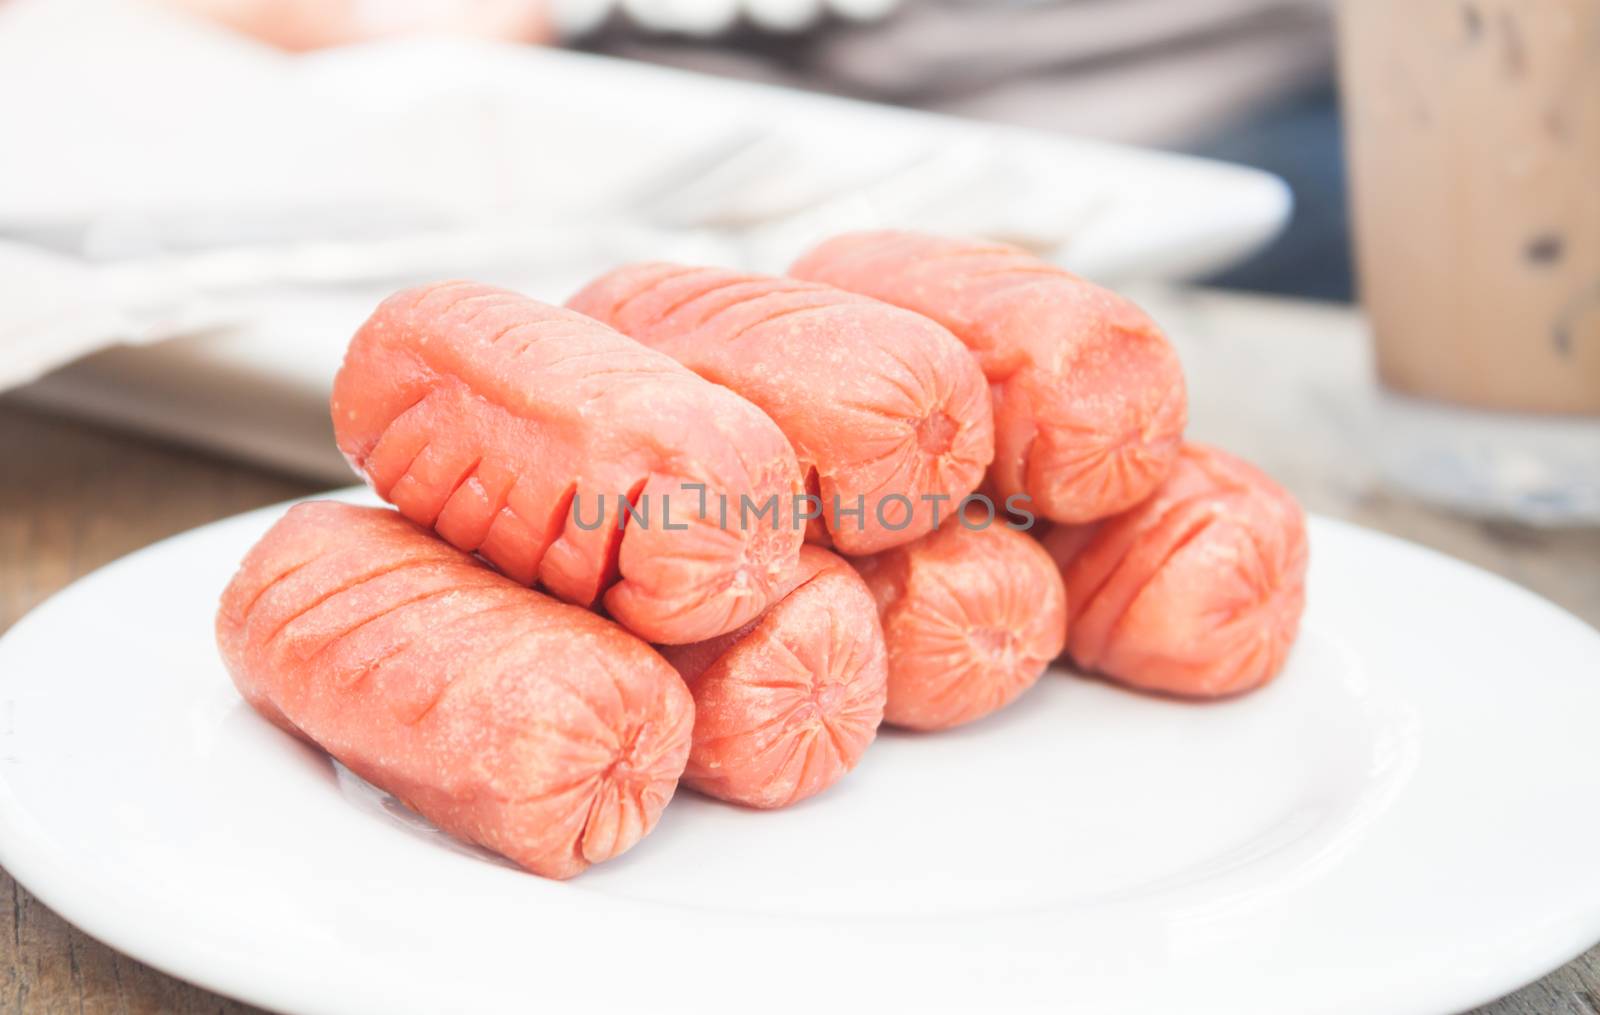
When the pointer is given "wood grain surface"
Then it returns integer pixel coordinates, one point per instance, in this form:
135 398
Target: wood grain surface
73 497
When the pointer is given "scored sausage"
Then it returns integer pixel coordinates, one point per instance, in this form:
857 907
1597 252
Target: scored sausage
1089 399
785 707
534 728
525 432
887 412
971 617
1199 590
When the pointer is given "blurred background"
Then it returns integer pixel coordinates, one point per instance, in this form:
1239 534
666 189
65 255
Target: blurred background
1246 81
201 199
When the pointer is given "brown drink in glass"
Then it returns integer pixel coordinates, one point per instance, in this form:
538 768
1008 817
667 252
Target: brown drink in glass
1473 135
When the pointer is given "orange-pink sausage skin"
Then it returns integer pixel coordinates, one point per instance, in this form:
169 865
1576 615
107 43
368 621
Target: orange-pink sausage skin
885 408
785 707
1089 398
533 728
1196 592
504 424
971 617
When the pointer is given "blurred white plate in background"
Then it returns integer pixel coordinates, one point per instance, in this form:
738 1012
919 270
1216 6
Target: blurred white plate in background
241 211
1393 826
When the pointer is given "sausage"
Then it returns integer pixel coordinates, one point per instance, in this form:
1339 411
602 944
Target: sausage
971 617
1196 592
1089 399
533 728
885 409
524 432
785 707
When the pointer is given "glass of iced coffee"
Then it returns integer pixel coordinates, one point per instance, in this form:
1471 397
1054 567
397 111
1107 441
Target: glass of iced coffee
1473 137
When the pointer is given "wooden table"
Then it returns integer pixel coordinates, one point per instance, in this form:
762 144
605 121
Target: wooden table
73 497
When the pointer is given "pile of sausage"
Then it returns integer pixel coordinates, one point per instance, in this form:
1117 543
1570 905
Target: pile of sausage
715 527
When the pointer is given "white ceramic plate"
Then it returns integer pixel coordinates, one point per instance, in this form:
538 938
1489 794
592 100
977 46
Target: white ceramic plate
1404 822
